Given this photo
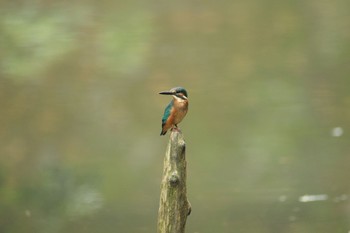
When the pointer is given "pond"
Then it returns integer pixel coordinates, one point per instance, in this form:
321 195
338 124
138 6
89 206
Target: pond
266 132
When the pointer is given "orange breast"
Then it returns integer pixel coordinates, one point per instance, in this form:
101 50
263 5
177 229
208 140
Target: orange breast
179 111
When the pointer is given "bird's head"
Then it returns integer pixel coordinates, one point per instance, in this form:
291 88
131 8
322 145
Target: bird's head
176 92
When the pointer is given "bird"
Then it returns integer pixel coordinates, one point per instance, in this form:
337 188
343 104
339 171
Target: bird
176 109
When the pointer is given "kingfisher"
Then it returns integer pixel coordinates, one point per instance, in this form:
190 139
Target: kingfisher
176 109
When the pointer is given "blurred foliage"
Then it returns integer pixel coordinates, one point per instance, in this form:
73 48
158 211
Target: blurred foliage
268 121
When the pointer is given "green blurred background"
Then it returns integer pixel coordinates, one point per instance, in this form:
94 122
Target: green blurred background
267 133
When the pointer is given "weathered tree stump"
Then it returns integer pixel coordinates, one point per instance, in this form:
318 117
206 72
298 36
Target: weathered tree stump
174 206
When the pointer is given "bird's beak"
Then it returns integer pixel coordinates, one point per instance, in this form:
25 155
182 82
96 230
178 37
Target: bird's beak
166 93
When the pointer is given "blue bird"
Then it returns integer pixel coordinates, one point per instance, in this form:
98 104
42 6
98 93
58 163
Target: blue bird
176 109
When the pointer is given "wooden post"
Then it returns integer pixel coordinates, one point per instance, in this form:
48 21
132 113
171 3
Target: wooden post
174 206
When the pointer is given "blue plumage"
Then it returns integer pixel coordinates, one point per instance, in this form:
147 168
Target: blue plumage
167 112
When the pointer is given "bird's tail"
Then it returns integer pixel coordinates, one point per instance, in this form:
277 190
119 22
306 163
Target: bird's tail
164 129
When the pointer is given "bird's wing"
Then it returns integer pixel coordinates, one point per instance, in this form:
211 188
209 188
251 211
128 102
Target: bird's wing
167 113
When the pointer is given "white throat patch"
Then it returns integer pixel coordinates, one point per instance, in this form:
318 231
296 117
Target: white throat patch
180 99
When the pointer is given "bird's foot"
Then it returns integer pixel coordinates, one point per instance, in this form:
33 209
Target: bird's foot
176 129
